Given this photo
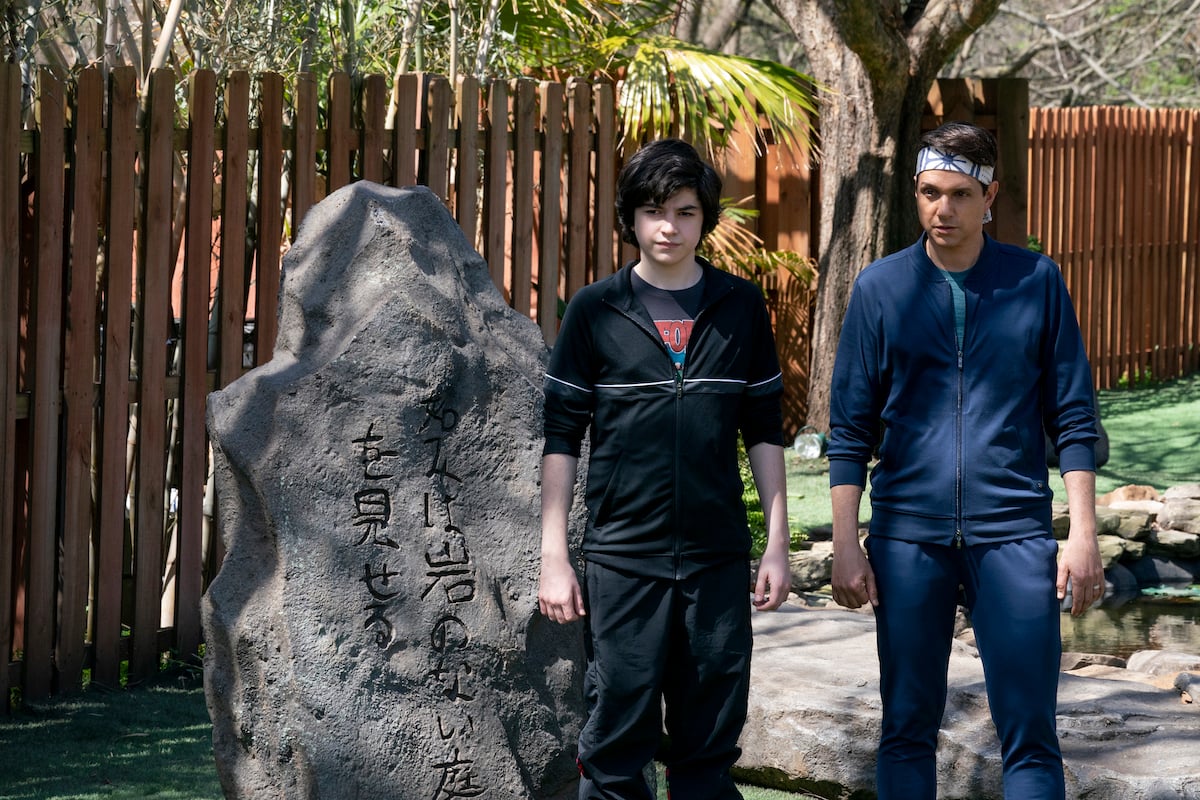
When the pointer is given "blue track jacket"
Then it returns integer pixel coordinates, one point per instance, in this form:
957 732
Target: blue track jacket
958 433
664 494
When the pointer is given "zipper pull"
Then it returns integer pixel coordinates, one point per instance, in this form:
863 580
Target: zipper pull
958 539
679 380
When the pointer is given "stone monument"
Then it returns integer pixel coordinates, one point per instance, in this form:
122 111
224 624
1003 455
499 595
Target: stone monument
374 629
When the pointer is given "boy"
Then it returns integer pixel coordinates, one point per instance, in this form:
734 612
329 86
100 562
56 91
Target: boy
663 363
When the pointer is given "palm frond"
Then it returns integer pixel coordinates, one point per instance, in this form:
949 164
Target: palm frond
714 93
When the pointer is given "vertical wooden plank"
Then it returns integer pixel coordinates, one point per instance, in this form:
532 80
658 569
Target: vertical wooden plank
1164 249
525 134
235 193
436 154
794 197
304 156
404 131
78 385
551 221
957 100
579 152
10 259
197 273
1088 306
605 180
466 192
270 222
1080 191
495 189
112 488
374 108
1191 289
1146 255
1170 251
738 167
1131 316
154 299
1035 171
1012 135
1109 220
45 404
341 131
1184 133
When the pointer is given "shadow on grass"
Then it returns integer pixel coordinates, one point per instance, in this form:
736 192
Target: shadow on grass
152 741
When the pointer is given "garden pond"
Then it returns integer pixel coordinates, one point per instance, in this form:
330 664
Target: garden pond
1164 618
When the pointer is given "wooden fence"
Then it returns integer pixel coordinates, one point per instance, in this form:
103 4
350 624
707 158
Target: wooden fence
140 246
1114 197
140 261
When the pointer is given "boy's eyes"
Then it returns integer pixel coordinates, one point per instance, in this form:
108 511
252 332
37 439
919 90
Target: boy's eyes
656 210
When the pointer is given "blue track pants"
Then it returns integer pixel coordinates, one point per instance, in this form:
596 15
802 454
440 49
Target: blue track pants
1008 587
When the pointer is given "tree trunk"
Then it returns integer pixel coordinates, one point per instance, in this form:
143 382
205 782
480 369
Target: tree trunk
875 67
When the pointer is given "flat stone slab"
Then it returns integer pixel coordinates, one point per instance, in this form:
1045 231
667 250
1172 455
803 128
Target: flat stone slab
815 710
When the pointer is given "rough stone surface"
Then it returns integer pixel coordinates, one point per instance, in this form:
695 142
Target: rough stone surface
374 631
1155 570
1173 542
814 720
1180 513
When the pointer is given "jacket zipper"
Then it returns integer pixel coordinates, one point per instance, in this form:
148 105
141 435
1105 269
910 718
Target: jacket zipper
676 533
958 430
676 536
958 456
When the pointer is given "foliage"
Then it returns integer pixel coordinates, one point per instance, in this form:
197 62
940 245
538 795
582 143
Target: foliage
1141 379
754 510
669 87
734 247
1094 52
755 516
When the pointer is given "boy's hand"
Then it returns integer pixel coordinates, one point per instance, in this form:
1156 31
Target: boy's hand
774 580
559 596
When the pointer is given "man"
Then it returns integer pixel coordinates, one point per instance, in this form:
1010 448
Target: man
663 364
954 354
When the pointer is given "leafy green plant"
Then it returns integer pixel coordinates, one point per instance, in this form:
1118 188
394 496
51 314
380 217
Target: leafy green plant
755 516
1141 379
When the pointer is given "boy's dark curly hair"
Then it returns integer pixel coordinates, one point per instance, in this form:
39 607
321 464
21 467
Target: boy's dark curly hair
656 172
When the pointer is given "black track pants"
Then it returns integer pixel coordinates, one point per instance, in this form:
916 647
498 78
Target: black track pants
686 642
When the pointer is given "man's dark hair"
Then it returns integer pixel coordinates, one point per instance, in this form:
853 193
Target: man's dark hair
961 139
656 172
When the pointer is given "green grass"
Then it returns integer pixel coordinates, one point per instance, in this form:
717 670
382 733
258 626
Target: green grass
1154 439
155 741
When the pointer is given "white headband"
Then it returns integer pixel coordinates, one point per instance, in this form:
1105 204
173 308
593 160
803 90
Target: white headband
931 158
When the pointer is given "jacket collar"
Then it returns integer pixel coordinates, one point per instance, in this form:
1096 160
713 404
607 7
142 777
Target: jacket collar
930 271
620 292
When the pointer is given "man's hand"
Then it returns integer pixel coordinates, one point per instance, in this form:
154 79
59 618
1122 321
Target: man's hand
559 596
1080 559
1080 562
853 579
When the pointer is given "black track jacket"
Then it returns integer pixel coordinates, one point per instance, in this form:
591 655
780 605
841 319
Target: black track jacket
664 494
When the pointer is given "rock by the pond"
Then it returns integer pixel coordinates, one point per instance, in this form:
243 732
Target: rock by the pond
374 630
1181 508
814 720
